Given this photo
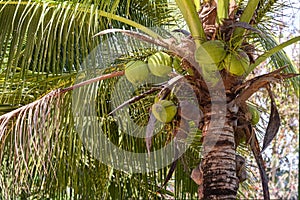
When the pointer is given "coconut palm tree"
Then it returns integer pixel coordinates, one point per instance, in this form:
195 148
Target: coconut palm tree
77 54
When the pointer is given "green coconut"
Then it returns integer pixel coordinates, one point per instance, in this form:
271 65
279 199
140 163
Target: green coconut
160 64
210 52
255 114
136 71
237 63
164 111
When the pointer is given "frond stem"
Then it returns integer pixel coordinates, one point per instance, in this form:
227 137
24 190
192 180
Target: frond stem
93 80
191 17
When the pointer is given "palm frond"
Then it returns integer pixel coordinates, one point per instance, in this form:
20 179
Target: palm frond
162 14
280 58
42 42
36 154
52 39
53 130
19 150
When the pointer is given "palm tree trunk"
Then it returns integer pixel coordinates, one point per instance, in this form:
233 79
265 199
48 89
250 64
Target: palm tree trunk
219 160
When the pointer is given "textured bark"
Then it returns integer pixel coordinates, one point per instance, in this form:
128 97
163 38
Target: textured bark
219 161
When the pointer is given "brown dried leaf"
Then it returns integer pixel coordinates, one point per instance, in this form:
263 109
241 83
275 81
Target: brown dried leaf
253 85
274 122
260 162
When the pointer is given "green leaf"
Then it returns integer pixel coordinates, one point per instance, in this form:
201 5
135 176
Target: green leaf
270 52
248 13
222 10
278 57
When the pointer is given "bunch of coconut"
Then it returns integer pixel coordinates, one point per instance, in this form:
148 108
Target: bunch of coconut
215 53
159 64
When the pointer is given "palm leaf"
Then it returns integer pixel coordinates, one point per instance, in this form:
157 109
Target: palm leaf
280 58
33 52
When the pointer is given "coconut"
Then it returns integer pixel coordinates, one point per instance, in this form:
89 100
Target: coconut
136 71
160 64
255 114
237 63
210 52
164 111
